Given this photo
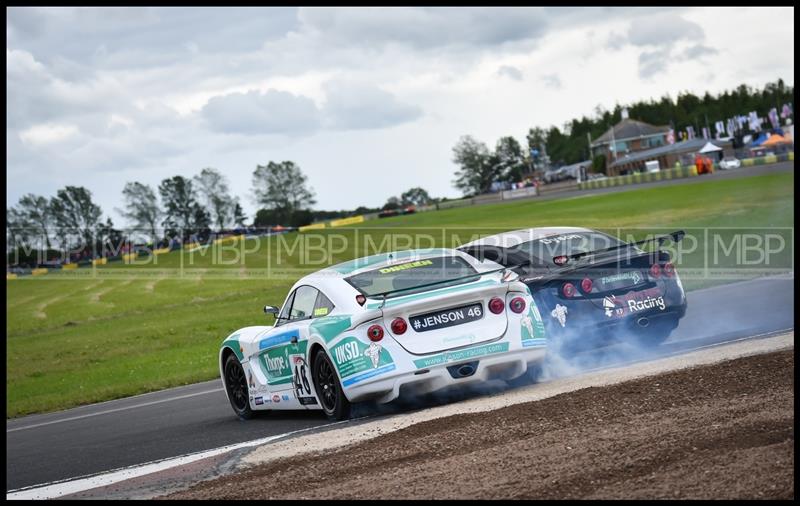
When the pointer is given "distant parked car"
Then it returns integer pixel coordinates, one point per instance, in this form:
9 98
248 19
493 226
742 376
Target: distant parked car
730 162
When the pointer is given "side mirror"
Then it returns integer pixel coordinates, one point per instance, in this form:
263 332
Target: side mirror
271 310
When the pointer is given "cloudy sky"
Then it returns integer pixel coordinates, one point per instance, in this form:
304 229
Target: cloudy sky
369 102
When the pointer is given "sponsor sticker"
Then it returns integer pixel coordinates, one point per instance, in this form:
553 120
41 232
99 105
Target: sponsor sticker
402 267
259 401
634 276
276 398
351 356
648 303
633 302
559 238
307 401
560 314
452 356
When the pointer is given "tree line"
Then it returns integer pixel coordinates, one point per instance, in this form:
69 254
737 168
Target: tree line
180 208
479 167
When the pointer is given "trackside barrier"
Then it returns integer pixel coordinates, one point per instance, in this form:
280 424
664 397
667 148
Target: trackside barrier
530 191
68 267
160 251
347 221
129 257
100 261
231 238
641 177
39 272
10 275
313 226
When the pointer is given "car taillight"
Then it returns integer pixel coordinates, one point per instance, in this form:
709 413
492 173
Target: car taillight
399 326
375 333
517 304
568 290
669 269
586 285
655 270
496 305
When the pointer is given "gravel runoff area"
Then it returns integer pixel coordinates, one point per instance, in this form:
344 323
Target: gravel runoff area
724 430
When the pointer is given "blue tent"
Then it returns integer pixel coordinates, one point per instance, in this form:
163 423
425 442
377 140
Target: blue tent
761 138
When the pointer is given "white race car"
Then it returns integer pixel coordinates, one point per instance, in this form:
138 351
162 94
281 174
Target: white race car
416 321
729 162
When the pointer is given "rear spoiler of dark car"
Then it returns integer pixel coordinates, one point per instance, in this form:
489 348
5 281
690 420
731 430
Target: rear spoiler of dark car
675 237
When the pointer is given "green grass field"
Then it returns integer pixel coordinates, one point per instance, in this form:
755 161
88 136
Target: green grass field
89 335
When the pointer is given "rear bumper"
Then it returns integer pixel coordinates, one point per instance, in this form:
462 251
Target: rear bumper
504 366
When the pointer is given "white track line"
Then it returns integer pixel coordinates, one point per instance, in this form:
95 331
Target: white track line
114 410
74 485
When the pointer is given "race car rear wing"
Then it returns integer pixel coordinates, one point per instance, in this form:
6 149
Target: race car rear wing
675 237
477 275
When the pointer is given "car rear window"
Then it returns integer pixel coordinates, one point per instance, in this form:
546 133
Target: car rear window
414 277
542 251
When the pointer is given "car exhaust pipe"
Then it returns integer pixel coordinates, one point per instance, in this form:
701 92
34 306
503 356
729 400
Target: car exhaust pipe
643 322
466 370
463 370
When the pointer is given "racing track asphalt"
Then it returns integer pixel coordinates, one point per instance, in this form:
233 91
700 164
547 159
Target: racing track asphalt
105 436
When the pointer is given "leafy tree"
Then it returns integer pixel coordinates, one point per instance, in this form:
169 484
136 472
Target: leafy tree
508 154
238 214
599 164
141 207
75 214
477 171
214 191
391 204
183 215
31 220
282 187
415 196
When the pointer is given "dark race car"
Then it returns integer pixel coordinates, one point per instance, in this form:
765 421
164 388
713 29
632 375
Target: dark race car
591 287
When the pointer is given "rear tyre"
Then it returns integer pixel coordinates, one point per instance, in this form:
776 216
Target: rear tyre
236 386
329 389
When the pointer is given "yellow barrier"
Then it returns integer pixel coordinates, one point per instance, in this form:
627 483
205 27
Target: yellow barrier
348 221
10 276
160 251
191 246
791 156
129 257
68 267
232 238
313 226
38 272
100 261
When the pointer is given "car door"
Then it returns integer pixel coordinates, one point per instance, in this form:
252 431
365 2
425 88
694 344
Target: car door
283 350
288 337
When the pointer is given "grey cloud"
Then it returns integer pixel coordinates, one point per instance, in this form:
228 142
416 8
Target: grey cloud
663 29
353 106
143 35
552 81
510 72
256 113
426 27
653 62
696 51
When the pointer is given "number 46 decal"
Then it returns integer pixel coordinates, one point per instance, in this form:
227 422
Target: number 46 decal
300 380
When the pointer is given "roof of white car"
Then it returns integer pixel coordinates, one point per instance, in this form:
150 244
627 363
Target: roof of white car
507 239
